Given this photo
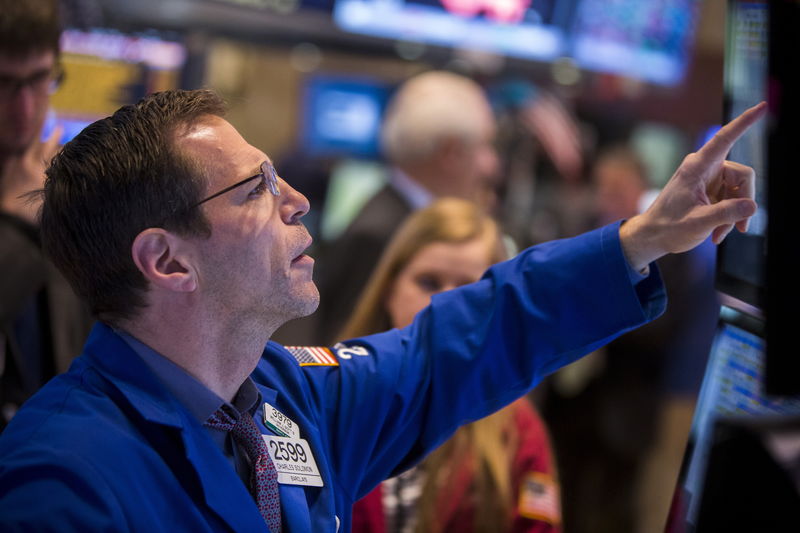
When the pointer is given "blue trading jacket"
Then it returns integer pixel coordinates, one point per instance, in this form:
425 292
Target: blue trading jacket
105 447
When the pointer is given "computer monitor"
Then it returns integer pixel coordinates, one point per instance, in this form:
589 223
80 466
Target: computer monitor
739 474
732 395
645 39
758 267
105 69
517 28
741 264
342 115
783 189
636 38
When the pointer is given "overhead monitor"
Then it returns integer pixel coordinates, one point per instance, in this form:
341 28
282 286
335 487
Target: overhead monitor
646 39
105 69
519 28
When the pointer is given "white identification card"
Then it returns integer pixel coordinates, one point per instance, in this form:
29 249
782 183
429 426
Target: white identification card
280 423
294 461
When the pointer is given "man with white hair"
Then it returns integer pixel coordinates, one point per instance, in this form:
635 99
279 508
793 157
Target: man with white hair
438 135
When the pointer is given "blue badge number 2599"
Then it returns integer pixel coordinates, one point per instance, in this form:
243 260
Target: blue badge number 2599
293 460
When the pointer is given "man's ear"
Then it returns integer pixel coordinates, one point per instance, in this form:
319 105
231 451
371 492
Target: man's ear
161 258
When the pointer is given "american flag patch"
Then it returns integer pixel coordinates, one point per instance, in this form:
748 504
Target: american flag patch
539 498
313 355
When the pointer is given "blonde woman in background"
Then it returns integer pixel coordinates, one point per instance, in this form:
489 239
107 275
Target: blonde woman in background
493 475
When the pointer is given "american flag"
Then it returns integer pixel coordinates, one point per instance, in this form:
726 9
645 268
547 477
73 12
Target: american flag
313 355
539 498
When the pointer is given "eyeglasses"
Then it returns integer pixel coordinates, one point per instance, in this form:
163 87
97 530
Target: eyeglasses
41 82
267 173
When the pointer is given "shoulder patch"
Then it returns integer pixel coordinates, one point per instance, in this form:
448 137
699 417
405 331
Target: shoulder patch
313 355
539 498
344 351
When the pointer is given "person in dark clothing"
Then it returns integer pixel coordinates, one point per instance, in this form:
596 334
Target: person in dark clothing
42 323
438 135
626 430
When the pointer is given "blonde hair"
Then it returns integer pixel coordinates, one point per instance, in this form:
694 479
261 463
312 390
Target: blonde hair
487 446
448 220
430 108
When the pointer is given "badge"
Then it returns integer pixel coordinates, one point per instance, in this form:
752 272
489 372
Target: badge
280 423
294 461
344 351
539 498
312 355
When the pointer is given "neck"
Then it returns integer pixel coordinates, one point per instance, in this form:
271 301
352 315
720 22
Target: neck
218 354
425 175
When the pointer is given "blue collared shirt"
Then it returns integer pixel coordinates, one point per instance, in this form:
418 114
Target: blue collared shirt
201 402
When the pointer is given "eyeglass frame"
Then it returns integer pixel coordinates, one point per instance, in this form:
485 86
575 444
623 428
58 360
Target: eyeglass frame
267 171
55 77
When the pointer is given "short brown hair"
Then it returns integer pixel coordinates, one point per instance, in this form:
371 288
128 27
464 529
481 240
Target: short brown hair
118 177
29 26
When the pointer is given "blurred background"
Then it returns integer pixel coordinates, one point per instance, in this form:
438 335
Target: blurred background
596 101
308 80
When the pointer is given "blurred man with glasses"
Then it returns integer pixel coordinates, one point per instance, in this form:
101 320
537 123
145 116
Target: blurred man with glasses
42 323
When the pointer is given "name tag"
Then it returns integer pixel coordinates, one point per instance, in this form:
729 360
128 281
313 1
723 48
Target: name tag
280 423
294 461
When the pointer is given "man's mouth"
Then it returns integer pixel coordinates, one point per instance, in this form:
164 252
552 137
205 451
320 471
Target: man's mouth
302 255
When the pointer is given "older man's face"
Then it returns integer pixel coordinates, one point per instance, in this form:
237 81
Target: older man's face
477 172
24 92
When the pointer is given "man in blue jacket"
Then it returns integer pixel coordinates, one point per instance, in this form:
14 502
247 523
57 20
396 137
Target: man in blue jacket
181 415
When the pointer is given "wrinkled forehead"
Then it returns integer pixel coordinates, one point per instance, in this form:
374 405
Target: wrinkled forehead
218 149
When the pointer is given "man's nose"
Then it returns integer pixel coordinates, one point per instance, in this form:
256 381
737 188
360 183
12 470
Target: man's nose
295 205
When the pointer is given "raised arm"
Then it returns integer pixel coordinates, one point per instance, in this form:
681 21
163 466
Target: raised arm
707 195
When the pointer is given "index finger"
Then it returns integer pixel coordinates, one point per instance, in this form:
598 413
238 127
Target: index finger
717 148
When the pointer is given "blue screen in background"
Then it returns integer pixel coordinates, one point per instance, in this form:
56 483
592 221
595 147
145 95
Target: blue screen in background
342 116
70 126
645 39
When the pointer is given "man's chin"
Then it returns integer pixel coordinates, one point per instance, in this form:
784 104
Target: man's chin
308 302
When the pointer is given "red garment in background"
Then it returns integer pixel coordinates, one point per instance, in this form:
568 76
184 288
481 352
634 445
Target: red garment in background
533 460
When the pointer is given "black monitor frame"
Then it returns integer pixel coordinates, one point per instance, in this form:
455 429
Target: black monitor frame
767 283
783 251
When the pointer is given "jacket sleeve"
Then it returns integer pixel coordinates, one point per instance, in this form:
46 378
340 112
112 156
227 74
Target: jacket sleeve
397 395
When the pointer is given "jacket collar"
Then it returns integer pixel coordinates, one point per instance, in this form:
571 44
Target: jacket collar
222 489
115 359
